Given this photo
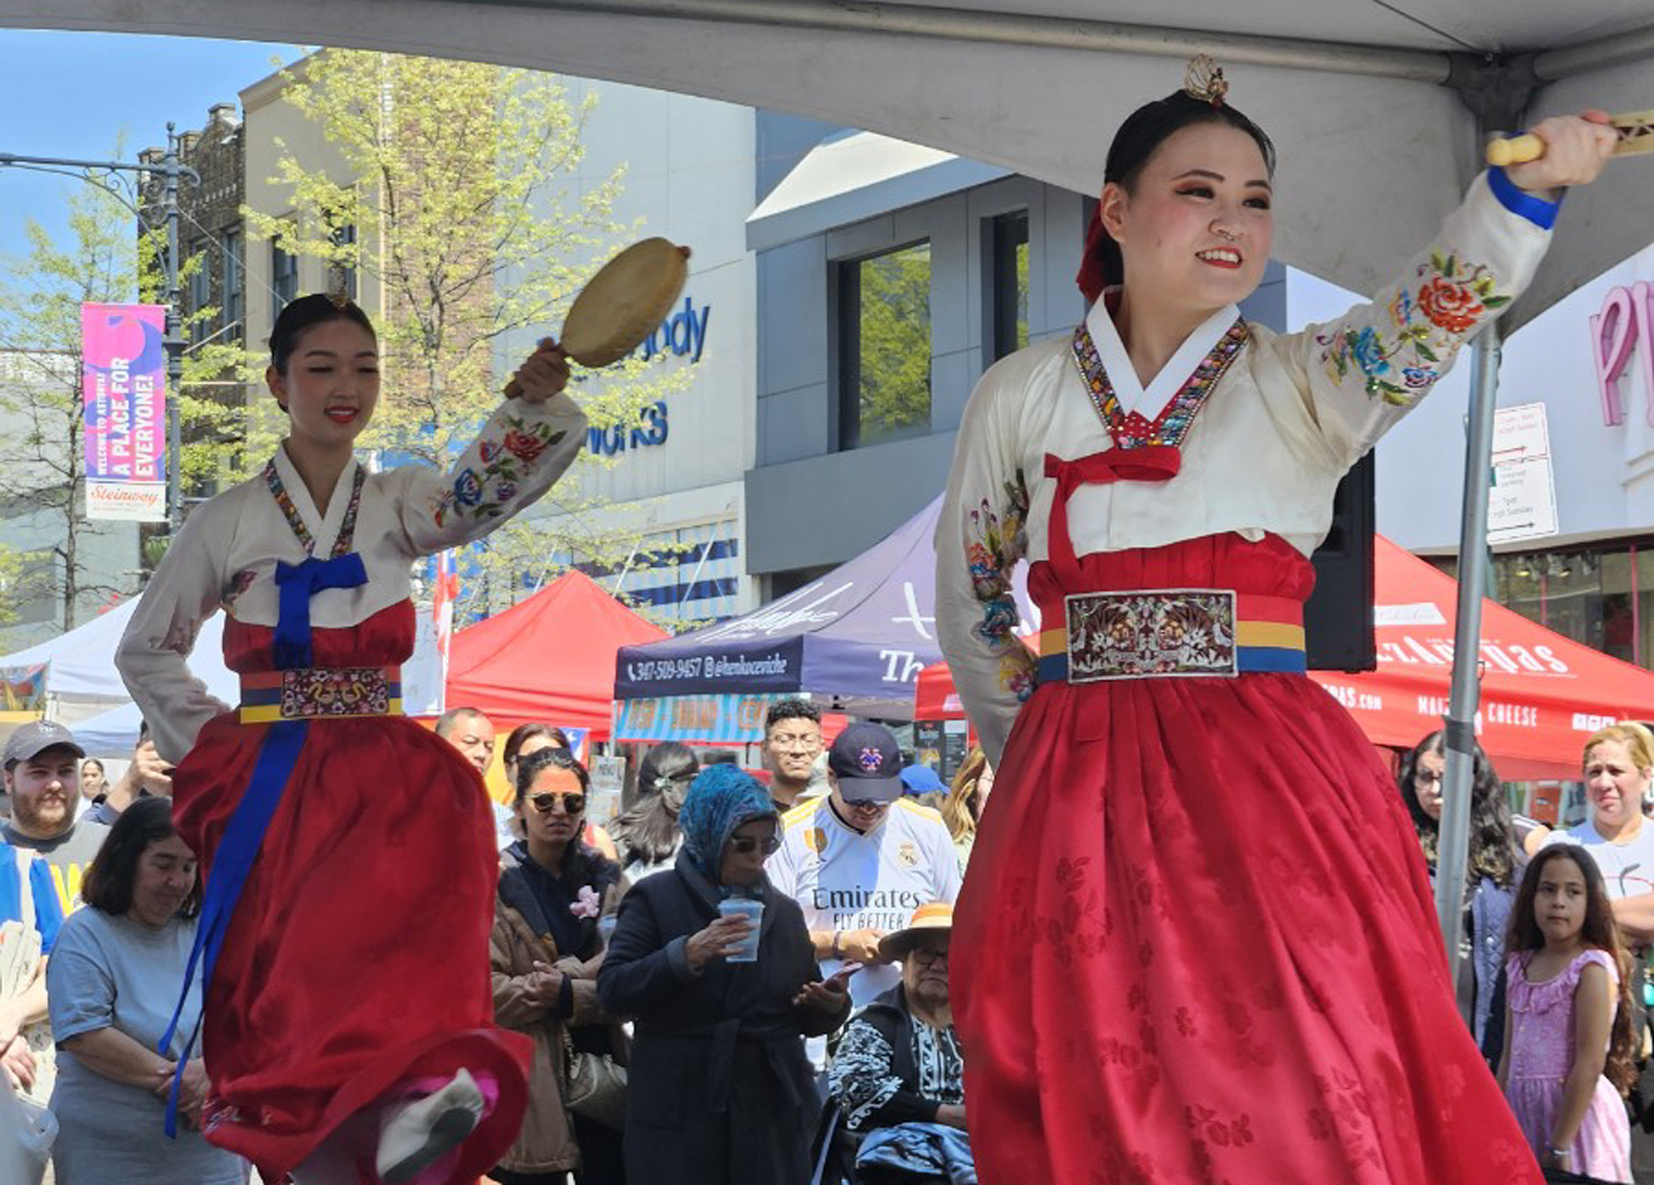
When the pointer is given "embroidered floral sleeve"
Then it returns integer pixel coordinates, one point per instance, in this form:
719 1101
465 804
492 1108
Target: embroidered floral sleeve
1428 319
1362 372
519 454
999 540
980 538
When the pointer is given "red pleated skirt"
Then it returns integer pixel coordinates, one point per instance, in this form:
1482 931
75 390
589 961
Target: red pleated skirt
357 957
1197 941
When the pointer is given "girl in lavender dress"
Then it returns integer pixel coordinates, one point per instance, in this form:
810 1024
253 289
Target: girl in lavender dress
1568 1042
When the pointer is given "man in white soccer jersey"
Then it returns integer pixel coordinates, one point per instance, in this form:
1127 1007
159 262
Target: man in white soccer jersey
862 859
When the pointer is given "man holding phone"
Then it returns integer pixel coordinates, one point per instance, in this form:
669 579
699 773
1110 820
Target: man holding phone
862 859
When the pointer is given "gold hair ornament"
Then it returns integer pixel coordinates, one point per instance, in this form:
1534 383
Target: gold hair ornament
1204 80
338 286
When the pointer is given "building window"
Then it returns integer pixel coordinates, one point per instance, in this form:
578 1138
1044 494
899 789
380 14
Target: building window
884 344
200 296
1008 282
685 576
284 277
341 269
235 289
1603 599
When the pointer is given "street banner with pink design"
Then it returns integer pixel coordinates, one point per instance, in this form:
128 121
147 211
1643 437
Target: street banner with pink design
125 395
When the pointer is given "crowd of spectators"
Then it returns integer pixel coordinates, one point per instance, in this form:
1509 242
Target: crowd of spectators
748 982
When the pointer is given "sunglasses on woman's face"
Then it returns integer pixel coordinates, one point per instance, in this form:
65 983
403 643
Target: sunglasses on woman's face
747 844
573 804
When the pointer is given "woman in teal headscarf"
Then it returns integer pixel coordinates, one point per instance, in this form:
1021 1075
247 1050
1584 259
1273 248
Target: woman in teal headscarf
720 1089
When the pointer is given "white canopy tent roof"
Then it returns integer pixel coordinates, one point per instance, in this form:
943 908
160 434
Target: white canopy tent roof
82 661
1375 148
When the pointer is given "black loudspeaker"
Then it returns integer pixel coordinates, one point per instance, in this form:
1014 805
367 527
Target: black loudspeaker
1338 618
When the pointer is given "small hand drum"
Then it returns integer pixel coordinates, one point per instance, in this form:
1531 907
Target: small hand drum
623 303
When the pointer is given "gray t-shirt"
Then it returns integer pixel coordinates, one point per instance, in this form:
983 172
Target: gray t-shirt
114 971
68 856
1627 867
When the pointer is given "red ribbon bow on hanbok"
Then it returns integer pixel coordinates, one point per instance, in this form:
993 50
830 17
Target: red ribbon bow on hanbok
1152 462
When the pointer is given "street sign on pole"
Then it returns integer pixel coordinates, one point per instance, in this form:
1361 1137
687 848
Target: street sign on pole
1522 502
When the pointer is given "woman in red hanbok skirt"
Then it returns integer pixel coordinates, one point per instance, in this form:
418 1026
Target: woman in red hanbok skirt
349 854
1196 942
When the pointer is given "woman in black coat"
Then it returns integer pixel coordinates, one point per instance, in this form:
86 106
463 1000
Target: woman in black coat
719 1088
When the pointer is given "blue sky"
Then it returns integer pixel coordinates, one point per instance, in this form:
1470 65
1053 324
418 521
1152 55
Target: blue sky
75 94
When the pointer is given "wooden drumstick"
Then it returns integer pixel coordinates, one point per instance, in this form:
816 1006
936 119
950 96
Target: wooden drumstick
1635 130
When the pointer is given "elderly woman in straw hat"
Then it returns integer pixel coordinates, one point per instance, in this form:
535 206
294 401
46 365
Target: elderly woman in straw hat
899 1073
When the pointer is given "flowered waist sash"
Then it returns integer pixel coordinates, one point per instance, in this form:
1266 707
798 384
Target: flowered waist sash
1172 633
320 693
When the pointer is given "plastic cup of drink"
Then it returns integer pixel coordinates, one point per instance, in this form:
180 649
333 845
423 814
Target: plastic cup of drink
606 927
753 911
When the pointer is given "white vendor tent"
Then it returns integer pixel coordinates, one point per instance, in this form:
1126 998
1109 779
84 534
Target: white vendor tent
85 692
81 680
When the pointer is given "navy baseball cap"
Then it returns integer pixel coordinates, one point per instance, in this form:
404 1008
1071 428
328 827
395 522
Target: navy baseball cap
867 763
35 738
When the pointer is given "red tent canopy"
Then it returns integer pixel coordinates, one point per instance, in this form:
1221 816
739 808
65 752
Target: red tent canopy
1542 694
550 658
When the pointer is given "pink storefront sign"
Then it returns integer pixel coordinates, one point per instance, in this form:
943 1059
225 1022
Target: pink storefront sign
1625 320
124 394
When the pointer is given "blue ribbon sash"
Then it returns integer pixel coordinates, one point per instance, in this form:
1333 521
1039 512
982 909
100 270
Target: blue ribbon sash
277 755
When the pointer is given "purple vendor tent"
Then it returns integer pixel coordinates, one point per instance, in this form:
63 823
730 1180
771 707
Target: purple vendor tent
856 638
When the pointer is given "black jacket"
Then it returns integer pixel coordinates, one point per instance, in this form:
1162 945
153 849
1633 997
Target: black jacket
889 1016
719 1089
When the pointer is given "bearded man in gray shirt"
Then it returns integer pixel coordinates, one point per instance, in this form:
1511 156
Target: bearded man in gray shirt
42 778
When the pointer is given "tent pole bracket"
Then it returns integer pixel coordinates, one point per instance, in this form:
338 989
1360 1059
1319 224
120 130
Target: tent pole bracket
1497 90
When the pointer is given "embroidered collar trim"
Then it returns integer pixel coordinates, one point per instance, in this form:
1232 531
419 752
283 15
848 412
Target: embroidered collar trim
1133 430
1149 398
343 542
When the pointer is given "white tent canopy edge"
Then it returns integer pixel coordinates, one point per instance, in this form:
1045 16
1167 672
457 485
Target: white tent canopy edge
1377 147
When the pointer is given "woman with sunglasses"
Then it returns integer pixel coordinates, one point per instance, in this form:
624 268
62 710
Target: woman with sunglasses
719 1088
544 953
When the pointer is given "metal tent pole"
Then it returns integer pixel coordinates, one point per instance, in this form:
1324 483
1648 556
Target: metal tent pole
1453 842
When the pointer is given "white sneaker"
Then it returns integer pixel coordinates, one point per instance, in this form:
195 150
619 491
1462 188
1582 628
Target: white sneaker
417 1134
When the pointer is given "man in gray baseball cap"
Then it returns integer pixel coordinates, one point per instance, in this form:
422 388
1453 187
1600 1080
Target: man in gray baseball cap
42 779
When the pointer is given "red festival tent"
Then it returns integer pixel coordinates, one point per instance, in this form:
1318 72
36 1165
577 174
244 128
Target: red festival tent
550 658
1542 694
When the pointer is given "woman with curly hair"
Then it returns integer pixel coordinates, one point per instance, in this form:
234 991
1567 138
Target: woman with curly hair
1490 883
1569 1048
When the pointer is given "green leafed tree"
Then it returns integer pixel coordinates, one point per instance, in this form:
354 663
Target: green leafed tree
102 259
463 216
